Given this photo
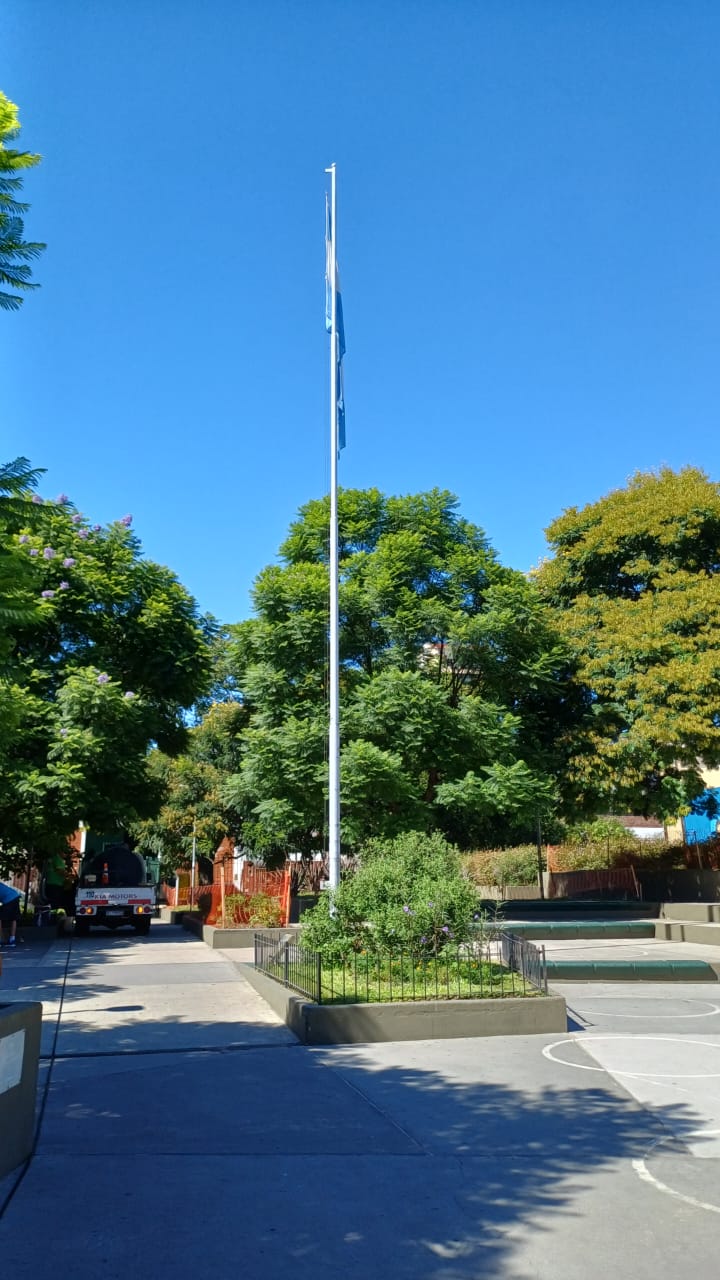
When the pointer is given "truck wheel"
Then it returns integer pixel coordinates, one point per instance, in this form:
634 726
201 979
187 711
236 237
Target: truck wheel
142 926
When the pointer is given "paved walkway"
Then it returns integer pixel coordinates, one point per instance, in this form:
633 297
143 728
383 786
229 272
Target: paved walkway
187 1132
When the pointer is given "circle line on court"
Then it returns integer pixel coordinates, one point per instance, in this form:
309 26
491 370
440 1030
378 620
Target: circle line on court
645 1175
584 1039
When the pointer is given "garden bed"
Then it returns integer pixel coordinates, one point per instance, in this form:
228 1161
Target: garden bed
409 1020
362 979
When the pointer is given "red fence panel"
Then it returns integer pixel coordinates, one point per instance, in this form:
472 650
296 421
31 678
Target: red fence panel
253 881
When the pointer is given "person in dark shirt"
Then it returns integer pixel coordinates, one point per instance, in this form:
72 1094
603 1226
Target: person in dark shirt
9 912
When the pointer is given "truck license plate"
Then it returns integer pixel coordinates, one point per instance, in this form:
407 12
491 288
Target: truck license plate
111 912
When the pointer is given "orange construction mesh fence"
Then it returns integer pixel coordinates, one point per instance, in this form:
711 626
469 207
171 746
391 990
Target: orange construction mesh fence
254 882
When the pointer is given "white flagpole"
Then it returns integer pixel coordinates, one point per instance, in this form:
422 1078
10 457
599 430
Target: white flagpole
334 732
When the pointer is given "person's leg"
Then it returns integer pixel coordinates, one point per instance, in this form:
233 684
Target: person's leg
15 907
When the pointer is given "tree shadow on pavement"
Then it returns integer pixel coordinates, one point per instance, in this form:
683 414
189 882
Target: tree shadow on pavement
330 1164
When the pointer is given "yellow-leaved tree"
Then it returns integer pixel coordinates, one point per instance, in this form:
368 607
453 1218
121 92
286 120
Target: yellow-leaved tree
634 584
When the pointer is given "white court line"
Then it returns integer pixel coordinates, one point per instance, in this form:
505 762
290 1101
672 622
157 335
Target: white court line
653 1017
583 1039
644 1173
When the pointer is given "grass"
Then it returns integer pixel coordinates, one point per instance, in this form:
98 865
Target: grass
364 979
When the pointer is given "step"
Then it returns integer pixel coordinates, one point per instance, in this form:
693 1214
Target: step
688 931
581 908
697 912
630 971
536 930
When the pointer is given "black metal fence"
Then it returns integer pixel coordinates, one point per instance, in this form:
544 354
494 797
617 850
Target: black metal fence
523 957
503 965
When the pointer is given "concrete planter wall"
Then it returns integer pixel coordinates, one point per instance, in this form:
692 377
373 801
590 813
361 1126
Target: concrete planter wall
231 939
412 1020
19 1057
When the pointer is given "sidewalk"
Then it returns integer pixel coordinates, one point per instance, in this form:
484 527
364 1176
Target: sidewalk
187 1132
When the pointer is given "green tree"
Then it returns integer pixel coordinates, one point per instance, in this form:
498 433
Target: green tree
17 602
449 670
634 582
192 786
16 253
105 654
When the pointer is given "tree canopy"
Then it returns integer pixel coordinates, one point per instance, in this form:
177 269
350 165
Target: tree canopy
634 583
104 651
454 687
16 253
192 786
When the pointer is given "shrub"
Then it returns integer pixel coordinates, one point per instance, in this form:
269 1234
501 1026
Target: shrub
235 910
409 892
568 857
480 866
264 911
260 910
517 866
503 866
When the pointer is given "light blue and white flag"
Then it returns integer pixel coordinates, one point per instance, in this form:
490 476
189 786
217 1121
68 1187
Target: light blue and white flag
340 325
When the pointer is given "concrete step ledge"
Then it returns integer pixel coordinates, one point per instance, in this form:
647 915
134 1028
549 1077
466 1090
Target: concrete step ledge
688 931
573 908
537 930
631 971
693 912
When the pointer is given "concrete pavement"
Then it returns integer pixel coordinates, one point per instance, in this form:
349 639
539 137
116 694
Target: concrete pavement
186 1132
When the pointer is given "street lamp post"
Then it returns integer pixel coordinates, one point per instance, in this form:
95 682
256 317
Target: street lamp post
192 869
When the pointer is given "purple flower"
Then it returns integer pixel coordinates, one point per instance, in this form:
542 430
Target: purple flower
49 553
127 521
23 538
61 499
431 904
33 551
445 929
97 528
63 586
103 678
76 519
36 498
129 694
47 595
423 939
68 562
64 733
406 910
82 533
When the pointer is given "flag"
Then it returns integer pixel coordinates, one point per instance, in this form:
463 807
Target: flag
340 345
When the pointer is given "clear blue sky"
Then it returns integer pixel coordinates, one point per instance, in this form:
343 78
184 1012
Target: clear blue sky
529 227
